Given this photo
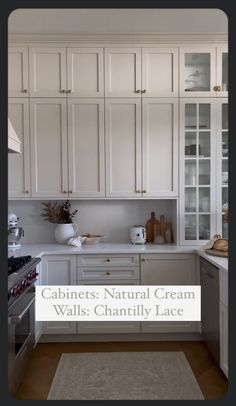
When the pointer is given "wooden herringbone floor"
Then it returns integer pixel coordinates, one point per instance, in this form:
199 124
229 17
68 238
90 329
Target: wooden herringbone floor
45 358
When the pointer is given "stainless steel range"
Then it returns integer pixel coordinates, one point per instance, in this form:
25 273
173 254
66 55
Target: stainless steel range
21 315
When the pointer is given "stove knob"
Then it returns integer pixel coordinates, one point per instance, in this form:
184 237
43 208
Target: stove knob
14 291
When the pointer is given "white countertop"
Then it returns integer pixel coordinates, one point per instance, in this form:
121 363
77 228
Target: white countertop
38 250
220 262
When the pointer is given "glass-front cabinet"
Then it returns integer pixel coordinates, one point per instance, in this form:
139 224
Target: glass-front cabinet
197 183
204 72
223 149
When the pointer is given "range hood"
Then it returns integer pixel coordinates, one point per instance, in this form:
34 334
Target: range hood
13 141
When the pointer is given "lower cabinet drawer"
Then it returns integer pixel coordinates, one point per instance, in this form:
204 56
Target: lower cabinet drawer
108 260
108 327
111 273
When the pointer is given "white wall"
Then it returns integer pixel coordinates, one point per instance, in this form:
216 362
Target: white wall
117 21
112 218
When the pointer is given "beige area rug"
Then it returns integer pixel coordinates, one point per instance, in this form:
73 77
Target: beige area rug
124 375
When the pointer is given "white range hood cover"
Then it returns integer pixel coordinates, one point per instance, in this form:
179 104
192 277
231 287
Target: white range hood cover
13 141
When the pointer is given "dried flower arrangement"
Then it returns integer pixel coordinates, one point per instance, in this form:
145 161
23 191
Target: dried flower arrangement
57 213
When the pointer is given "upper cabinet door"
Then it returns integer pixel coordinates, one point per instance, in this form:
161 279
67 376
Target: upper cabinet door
49 174
198 72
85 72
159 72
19 164
123 147
86 148
18 75
160 147
222 70
47 72
122 72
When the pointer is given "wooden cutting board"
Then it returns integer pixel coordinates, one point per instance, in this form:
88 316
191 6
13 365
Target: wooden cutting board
150 227
163 225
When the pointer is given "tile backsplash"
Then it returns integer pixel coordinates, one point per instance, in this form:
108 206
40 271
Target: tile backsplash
112 218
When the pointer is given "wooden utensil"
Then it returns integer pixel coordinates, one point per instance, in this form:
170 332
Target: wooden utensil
150 227
163 225
158 238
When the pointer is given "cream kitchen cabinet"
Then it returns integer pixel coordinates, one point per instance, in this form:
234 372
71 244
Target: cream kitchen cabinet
163 269
18 75
47 70
38 324
135 154
204 71
19 164
59 270
122 269
49 172
67 163
132 72
86 166
62 72
203 169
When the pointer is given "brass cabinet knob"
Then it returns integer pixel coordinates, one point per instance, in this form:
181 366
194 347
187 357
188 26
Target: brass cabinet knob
68 91
217 88
144 191
70 191
108 273
137 191
64 191
144 91
27 192
143 260
108 260
24 91
138 91
63 91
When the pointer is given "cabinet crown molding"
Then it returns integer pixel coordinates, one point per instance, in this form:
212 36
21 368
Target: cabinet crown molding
119 38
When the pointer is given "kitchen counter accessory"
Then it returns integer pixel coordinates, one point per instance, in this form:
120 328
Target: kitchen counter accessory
150 227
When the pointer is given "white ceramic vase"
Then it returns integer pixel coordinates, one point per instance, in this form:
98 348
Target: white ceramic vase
65 231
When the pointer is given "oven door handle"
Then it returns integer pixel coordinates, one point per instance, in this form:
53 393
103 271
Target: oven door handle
16 318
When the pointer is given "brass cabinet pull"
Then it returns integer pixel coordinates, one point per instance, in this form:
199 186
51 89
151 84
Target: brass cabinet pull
63 91
108 260
138 91
137 191
68 91
144 91
27 192
144 191
24 91
108 273
217 88
143 260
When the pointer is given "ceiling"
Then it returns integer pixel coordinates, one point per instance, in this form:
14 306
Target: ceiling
117 21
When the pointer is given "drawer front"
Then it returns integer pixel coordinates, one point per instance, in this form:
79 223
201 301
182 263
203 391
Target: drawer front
107 274
108 327
108 260
224 288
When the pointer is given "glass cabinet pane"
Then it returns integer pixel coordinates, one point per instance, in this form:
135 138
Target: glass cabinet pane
197 72
190 227
204 199
204 172
190 200
204 227
225 172
204 144
224 116
225 149
225 71
204 116
190 116
190 144
190 172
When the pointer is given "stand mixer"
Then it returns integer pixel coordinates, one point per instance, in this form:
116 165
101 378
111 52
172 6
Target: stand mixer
14 233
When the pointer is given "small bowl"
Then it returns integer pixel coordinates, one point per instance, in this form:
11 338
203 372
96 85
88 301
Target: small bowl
92 238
